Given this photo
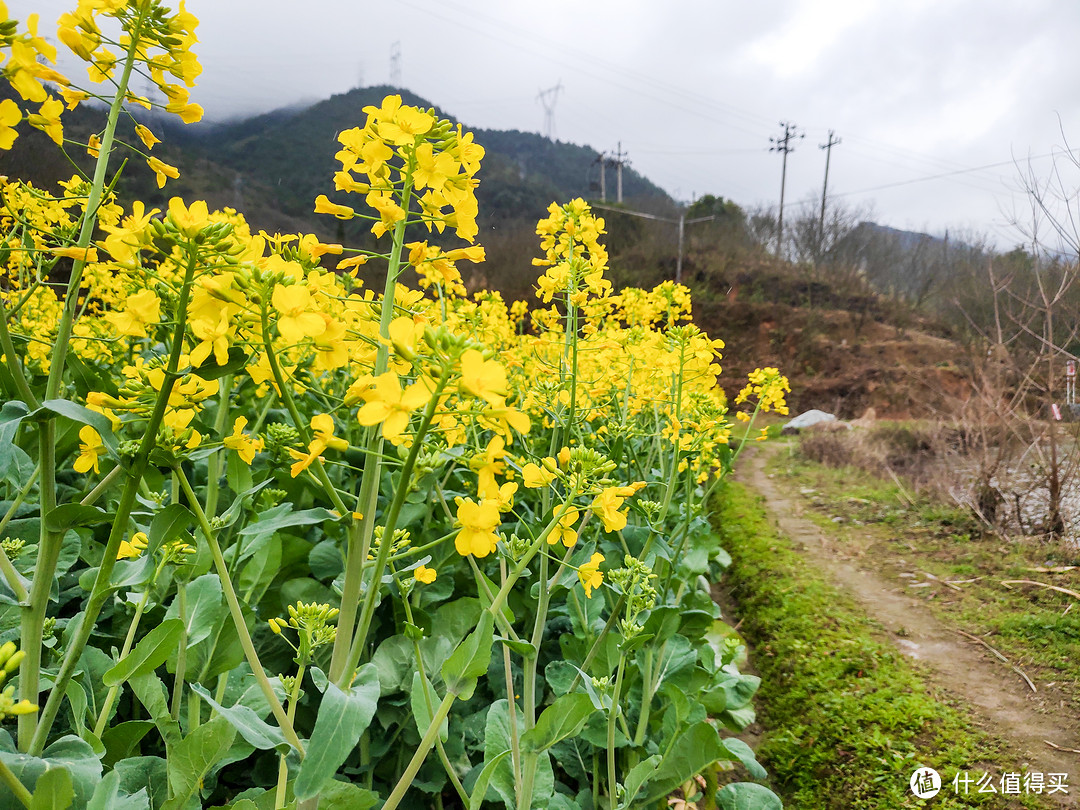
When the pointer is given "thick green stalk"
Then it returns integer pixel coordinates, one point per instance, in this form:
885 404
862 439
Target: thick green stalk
237 614
181 654
220 421
612 715
368 497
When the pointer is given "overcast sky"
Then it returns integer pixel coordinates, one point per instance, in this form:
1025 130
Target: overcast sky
694 90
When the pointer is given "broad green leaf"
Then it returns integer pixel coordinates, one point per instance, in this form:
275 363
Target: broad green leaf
203 609
15 464
522 648
326 560
470 660
150 653
149 774
109 796
53 791
421 713
394 661
247 722
338 795
563 718
150 691
120 740
343 717
692 752
638 777
167 525
83 415
261 569
69 515
748 796
70 754
194 757
303 517
745 754
480 788
497 742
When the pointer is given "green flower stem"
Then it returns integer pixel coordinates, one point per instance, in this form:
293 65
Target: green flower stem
237 614
129 640
283 766
103 484
368 497
613 713
443 758
14 785
511 699
381 559
285 394
432 734
181 654
212 472
481 586
101 589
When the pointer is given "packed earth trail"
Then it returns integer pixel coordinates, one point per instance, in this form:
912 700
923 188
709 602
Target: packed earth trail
1003 704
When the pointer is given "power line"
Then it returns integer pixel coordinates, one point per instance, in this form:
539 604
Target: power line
944 175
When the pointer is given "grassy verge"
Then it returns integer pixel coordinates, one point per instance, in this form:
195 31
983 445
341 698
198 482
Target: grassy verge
847 718
911 537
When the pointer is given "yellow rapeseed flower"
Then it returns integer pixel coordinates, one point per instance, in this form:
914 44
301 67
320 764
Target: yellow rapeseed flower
478 522
590 574
90 449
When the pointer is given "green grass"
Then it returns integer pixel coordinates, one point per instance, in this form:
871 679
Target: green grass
847 718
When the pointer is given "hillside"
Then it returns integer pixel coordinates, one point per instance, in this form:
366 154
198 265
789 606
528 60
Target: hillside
289 154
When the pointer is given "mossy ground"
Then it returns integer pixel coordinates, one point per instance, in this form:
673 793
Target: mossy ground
847 718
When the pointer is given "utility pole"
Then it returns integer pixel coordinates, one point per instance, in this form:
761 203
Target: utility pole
602 160
618 162
395 64
548 98
783 146
824 189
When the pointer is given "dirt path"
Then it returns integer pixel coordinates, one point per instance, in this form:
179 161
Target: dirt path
1005 706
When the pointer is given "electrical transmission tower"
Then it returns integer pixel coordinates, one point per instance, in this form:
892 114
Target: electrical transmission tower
783 146
548 98
825 188
395 64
